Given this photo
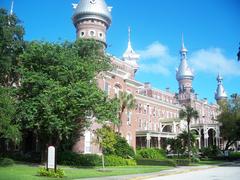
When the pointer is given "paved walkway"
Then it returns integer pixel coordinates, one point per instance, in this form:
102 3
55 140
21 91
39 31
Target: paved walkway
177 170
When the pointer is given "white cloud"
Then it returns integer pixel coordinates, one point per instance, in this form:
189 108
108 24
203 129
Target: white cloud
156 59
214 61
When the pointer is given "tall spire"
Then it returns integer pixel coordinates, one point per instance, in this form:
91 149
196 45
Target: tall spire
184 71
130 56
11 10
220 92
183 47
129 37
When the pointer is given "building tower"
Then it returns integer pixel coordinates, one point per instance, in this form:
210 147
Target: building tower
130 56
184 76
92 18
220 93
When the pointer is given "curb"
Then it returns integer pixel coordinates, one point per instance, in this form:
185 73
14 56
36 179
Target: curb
172 173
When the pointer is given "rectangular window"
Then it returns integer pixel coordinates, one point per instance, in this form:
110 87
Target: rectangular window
106 88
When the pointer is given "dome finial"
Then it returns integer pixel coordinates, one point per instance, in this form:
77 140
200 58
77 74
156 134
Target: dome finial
11 10
129 36
220 92
183 47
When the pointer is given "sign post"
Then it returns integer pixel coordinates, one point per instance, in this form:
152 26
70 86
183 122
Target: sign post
51 159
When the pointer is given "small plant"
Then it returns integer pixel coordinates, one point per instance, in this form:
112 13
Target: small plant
51 173
6 162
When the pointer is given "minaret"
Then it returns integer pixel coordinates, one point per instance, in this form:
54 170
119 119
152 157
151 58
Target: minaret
11 10
130 56
220 93
92 18
184 76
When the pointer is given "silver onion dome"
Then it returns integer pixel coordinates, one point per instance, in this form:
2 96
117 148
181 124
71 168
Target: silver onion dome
220 92
92 9
184 71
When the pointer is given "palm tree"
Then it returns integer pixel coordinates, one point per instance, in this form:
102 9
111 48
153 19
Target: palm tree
127 102
188 113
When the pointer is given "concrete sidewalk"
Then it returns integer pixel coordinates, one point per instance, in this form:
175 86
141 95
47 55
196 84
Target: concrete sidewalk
177 170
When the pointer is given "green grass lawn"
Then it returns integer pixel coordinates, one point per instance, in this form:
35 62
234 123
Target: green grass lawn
29 172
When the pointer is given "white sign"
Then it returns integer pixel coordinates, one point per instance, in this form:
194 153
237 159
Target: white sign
51 157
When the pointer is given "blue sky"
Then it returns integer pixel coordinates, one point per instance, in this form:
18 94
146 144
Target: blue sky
211 31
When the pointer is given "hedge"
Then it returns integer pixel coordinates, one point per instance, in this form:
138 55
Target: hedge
183 162
152 162
150 153
6 162
112 160
74 159
234 155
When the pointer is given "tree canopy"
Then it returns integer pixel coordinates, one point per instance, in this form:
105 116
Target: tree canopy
58 89
189 113
230 119
11 47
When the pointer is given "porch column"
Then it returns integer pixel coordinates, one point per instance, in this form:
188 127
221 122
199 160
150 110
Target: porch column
159 142
174 127
199 142
148 140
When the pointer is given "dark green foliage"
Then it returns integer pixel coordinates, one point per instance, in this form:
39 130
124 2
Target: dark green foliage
183 162
51 173
112 160
9 129
234 155
151 153
74 159
6 162
188 113
230 120
211 152
59 92
121 148
11 46
151 162
31 157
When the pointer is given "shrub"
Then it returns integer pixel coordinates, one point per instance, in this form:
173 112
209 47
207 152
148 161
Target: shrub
51 173
122 148
195 159
152 162
183 162
150 153
31 157
74 159
112 160
6 162
212 151
234 155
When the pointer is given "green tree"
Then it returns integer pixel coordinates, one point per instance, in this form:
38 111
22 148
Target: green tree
189 113
121 148
180 144
127 102
106 139
230 120
8 128
58 90
11 46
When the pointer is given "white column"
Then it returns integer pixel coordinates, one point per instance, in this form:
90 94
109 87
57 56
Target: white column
159 142
148 140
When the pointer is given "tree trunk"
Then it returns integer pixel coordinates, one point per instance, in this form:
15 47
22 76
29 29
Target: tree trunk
103 162
188 143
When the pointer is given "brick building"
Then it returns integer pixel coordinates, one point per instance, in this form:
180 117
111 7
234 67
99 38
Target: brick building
156 116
